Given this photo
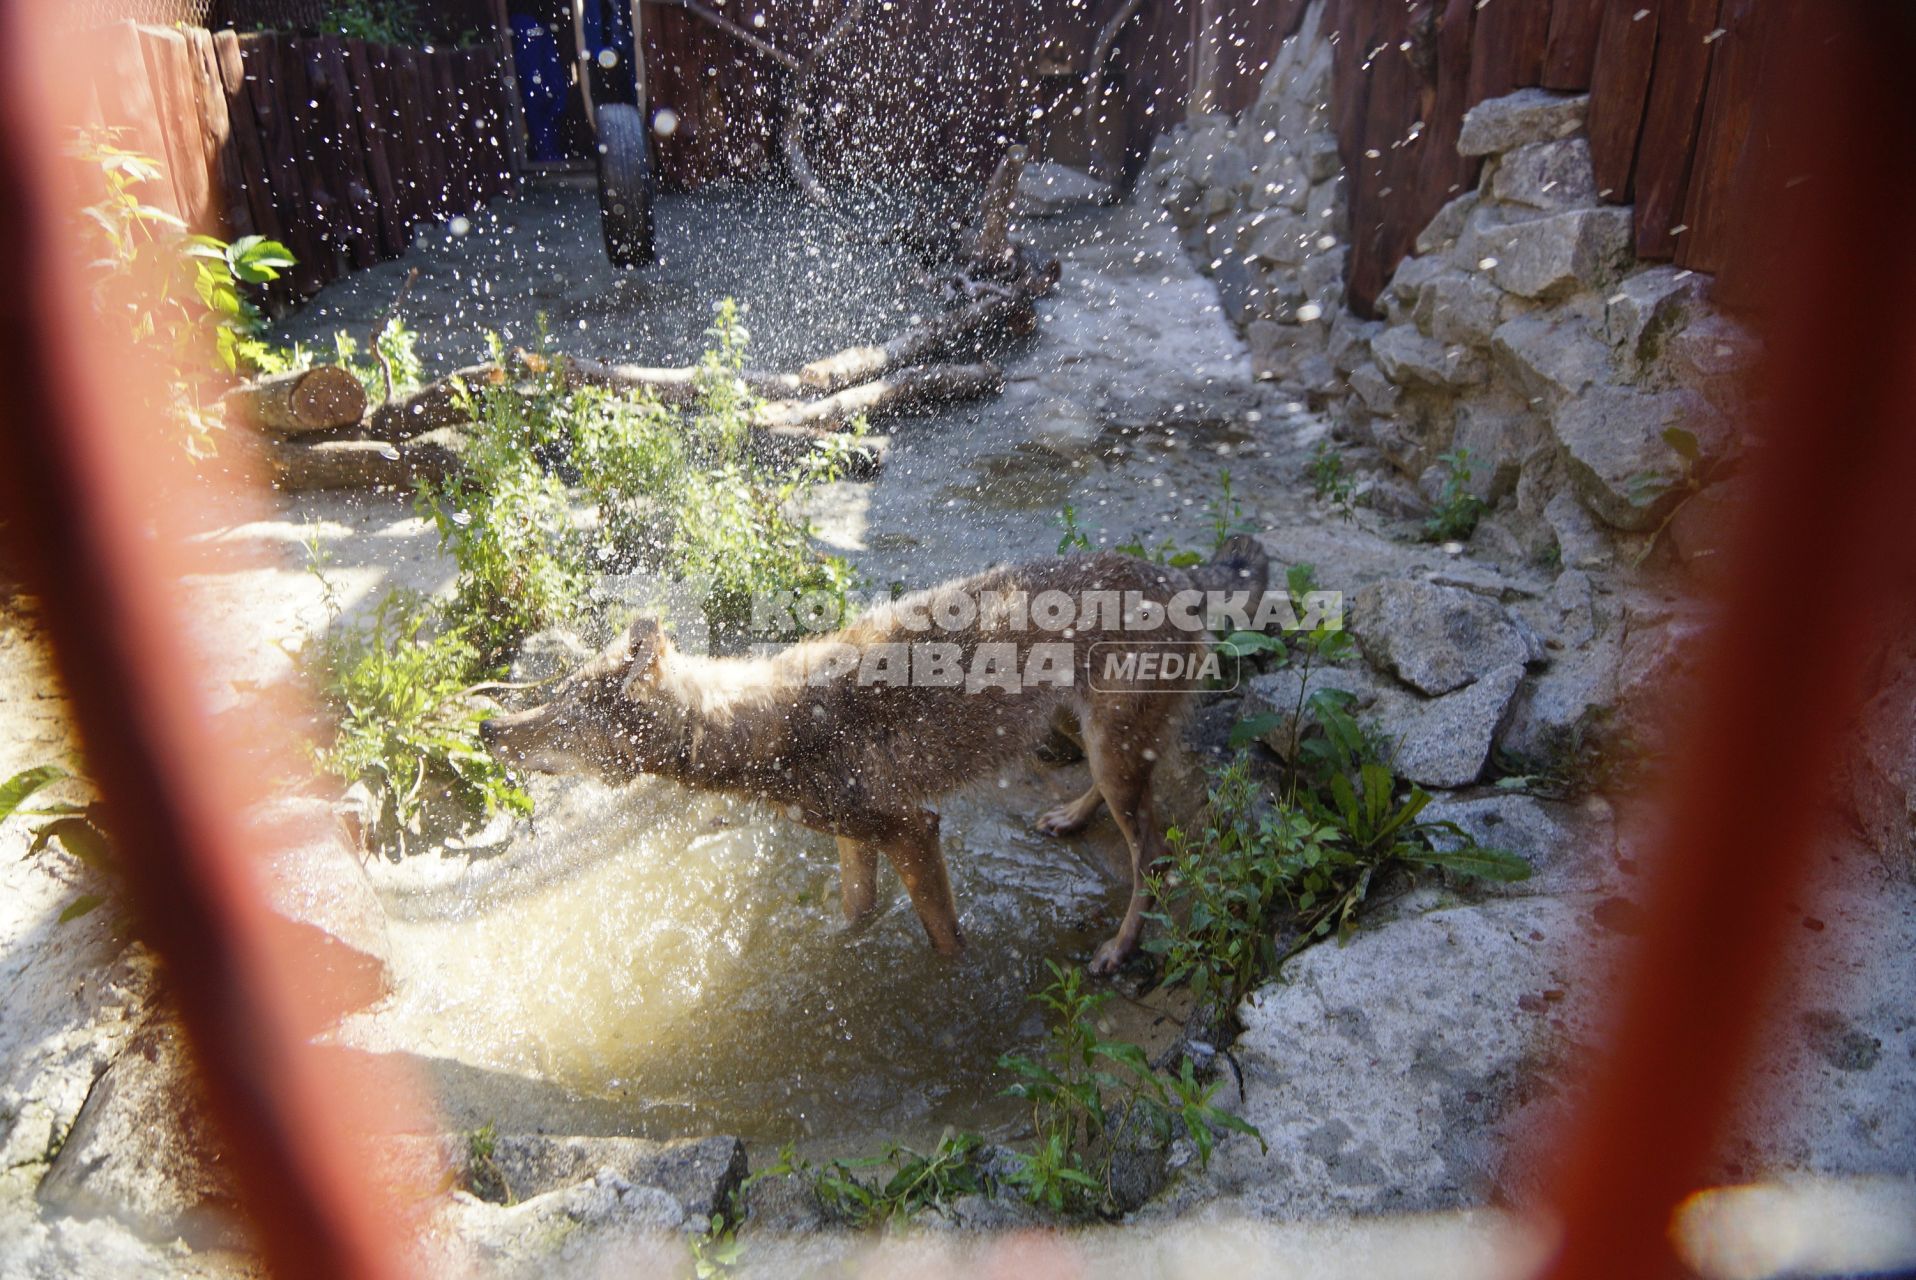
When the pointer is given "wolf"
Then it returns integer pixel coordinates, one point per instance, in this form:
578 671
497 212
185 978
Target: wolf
857 732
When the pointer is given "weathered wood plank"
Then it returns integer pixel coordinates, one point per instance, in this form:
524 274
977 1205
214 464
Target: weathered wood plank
260 56
1678 83
1571 53
1722 178
1507 46
311 155
356 173
218 142
1619 88
169 73
127 102
1443 173
255 177
373 121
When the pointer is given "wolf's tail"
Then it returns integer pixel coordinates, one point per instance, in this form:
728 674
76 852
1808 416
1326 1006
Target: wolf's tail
1239 564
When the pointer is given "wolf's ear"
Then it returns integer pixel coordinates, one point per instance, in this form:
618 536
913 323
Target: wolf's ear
646 649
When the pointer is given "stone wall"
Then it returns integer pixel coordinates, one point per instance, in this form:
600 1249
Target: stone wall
1262 207
1522 331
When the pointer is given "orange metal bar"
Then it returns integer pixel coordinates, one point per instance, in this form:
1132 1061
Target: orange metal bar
1820 581
82 467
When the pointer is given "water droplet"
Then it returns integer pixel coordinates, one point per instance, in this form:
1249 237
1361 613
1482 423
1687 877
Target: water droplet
665 122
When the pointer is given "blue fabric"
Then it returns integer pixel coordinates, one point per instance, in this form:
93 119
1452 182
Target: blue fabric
542 85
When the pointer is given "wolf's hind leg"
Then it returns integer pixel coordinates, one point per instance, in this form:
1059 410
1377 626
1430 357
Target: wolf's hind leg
1122 752
910 841
1069 818
857 880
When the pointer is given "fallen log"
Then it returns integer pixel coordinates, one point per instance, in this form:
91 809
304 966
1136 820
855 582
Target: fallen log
439 403
971 327
909 389
781 447
299 466
322 398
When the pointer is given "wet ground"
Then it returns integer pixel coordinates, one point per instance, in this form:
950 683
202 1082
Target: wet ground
674 964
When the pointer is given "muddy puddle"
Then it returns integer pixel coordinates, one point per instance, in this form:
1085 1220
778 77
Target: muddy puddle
679 961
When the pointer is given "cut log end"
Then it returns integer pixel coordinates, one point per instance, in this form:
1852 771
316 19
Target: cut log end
322 398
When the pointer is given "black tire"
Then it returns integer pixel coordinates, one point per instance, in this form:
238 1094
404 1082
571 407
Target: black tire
625 185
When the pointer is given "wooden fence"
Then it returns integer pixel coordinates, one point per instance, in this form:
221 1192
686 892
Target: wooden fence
1672 84
340 148
336 147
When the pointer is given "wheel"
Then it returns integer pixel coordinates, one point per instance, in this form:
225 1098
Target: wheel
625 185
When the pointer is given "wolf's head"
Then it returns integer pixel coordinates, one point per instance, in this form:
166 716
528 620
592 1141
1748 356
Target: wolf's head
606 718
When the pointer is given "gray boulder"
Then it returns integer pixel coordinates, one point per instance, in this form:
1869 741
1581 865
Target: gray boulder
1447 224
1499 433
144 1152
1581 542
1434 638
1646 309
1529 115
1565 710
1444 742
591 1227
1458 307
1386 1074
1546 175
1556 255
1552 358
1407 358
1613 442
700 1174
1047 188
1570 847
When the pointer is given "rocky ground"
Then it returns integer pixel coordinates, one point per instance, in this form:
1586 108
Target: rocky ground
1405 1072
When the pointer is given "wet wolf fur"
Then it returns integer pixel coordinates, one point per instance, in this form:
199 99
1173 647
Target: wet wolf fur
862 761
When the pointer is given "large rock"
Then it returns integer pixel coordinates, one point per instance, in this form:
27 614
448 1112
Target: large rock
1444 742
1458 307
1498 433
1582 543
1552 358
1497 125
143 1151
1556 255
1570 847
1546 175
1385 1074
1434 638
1447 224
1407 358
1279 237
1434 742
1646 309
1565 712
1623 468
602 1226
700 1174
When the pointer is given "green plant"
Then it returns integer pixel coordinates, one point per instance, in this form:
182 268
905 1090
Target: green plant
716 1250
408 729
1329 478
176 294
1087 1093
906 1182
1457 509
484 1172
77 828
1074 538
1226 513
375 21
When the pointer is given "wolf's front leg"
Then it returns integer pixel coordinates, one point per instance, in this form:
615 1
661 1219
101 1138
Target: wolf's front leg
857 881
909 840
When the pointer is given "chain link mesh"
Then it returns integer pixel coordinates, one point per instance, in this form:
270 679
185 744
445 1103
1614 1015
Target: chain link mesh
83 15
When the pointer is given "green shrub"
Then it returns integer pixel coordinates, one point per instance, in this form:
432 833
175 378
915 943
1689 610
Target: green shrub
408 729
1458 509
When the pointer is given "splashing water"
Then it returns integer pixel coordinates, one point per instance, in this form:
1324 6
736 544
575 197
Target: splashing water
681 960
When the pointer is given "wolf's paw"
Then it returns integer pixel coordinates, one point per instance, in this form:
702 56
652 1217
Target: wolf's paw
1065 820
1109 958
